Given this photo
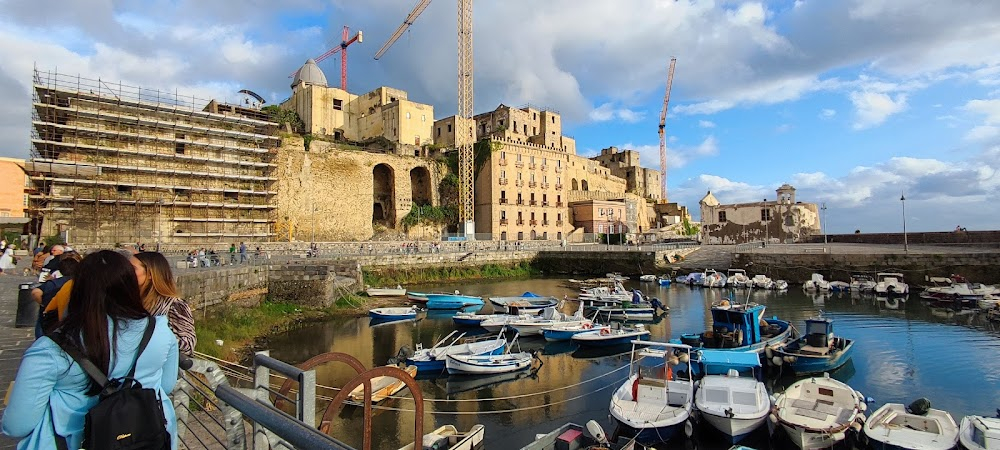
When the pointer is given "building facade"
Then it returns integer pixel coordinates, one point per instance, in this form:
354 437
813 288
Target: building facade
781 220
383 113
625 164
13 191
112 163
601 216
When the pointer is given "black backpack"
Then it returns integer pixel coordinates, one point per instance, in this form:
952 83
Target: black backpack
127 416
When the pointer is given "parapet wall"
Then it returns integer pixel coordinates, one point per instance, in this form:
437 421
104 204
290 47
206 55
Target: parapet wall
796 268
245 285
940 237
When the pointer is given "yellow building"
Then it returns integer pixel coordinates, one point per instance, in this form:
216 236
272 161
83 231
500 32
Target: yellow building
382 113
13 196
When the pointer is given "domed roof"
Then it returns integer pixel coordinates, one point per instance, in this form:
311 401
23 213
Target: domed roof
310 73
709 200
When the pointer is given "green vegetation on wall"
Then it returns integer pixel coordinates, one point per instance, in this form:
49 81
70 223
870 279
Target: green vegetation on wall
391 276
285 117
446 215
689 228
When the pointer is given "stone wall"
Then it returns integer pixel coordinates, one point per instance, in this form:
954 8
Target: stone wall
315 285
941 237
245 285
599 263
796 268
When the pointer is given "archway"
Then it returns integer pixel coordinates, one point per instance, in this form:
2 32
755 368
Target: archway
575 185
420 185
383 196
583 185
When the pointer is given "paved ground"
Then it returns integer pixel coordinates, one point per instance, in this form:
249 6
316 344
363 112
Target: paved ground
13 341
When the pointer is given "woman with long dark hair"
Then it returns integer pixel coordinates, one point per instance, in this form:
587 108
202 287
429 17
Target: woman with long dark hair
106 321
160 297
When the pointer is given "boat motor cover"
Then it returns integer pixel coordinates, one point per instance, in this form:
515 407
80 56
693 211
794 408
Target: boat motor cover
919 406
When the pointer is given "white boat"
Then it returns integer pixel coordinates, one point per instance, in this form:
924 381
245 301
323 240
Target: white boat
532 326
647 278
738 278
988 302
382 386
433 359
652 404
448 437
496 322
762 282
862 283
397 291
980 433
732 404
573 436
780 285
840 286
890 284
565 331
466 364
894 426
714 279
608 337
816 283
394 313
816 412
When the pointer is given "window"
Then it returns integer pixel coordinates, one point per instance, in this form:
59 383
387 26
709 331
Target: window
553 121
181 192
601 210
423 117
532 159
532 177
519 216
600 228
518 156
503 174
559 217
503 194
722 216
125 190
525 129
503 215
558 180
535 116
26 200
545 178
338 104
519 200
532 216
558 199
449 128
545 198
503 155
545 217
765 214
231 195
515 126
519 175
179 146
520 235
558 163
532 197
534 130
407 114
438 132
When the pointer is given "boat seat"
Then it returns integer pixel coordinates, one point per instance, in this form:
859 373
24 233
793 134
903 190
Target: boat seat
811 350
819 410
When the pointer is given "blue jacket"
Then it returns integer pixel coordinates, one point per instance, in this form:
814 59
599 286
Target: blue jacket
51 387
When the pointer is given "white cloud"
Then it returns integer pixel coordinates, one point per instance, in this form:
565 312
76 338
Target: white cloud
983 133
827 113
783 128
607 111
873 108
988 108
677 156
706 124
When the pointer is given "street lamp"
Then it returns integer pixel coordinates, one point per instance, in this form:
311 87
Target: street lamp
822 223
902 199
611 225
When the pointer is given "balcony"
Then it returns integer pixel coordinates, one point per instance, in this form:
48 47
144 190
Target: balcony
544 203
519 164
502 162
559 204
520 202
558 223
544 167
533 222
519 183
502 181
531 166
520 222
503 221
558 186
545 185
532 184
545 223
558 169
503 201
532 203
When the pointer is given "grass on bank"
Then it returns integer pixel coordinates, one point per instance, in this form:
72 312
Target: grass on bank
392 276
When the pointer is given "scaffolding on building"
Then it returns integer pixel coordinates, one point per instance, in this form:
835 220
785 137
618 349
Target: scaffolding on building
113 163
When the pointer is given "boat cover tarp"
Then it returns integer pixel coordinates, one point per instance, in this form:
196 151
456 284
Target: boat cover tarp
730 358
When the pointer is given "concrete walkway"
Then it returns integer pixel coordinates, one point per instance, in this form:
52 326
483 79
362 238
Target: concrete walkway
13 341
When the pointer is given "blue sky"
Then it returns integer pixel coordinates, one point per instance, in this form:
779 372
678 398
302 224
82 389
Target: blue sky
854 102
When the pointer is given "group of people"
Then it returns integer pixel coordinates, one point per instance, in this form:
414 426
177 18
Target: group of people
99 305
206 257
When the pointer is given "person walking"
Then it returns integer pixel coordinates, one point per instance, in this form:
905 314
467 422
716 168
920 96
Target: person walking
7 260
243 253
52 393
232 253
160 297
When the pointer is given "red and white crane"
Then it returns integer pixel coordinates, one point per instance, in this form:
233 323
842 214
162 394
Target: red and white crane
342 49
663 137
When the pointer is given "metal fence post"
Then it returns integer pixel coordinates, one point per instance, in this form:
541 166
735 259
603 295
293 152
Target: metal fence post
261 378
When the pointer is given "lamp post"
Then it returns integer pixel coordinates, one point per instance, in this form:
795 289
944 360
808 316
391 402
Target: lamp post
906 246
611 226
822 223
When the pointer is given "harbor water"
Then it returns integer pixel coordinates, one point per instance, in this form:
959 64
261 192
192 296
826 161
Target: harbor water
903 351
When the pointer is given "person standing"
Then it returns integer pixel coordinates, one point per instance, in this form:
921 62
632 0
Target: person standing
7 261
243 253
52 393
232 253
160 297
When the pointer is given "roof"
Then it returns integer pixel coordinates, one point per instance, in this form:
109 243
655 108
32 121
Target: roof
786 187
709 200
730 358
310 73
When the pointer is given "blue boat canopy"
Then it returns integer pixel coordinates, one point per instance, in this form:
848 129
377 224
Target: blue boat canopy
530 294
730 358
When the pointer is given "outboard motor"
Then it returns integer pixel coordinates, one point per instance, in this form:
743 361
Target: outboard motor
919 406
657 305
404 353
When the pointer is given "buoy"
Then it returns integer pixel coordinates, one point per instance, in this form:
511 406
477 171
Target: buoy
684 358
688 428
673 361
773 418
863 407
768 352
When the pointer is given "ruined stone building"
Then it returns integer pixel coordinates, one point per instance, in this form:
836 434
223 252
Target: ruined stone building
781 220
625 164
383 113
113 163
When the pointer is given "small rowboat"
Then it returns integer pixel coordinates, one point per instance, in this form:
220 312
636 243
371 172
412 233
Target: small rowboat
487 364
417 297
606 337
397 291
448 437
396 313
382 387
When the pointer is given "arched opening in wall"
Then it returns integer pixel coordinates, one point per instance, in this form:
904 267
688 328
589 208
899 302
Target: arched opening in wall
383 195
503 235
583 185
576 187
420 186
533 235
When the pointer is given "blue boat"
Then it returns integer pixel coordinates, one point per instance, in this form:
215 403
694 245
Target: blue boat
664 281
432 360
817 351
451 301
739 327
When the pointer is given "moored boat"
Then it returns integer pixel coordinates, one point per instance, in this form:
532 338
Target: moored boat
416 297
762 282
739 327
664 281
647 278
889 283
738 278
382 386
395 313
397 291
980 433
573 436
566 331
840 286
817 412
816 283
733 404
607 337
447 437
862 283
469 319
524 303
433 359
818 350
653 405
451 301
488 364
916 427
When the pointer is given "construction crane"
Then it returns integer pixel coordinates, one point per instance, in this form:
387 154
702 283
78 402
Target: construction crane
663 137
342 49
463 141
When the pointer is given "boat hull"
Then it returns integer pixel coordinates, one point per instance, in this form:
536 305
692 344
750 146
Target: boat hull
594 339
393 315
382 387
652 435
451 301
485 365
807 365
735 429
807 440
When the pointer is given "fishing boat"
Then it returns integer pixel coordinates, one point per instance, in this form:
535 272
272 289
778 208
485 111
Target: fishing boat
566 331
890 284
980 433
465 364
639 307
396 313
738 278
695 279
647 278
451 301
816 283
572 436
447 437
532 326
818 350
917 427
734 404
607 337
605 293
653 405
433 359
382 386
817 412
525 303
397 291
664 281
682 279
739 327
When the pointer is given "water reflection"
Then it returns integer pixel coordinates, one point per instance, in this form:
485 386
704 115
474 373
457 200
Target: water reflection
903 350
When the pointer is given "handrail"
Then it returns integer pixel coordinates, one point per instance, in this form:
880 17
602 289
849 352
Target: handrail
285 427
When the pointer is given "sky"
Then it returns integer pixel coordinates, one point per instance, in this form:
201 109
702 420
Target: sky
856 103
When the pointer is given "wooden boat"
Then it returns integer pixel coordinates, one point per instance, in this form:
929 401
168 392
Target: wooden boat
382 387
397 291
607 337
433 359
653 405
894 426
522 304
448 437
980 433
740 327
734 404
573 436
396 313
487 364
816 412
817 351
